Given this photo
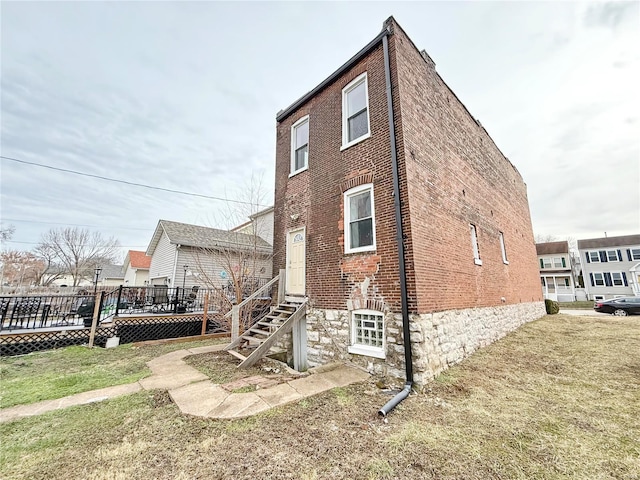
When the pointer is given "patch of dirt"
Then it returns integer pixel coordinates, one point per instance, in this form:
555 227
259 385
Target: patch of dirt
222 368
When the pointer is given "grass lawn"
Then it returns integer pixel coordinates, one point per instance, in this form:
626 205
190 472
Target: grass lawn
66 371
557 399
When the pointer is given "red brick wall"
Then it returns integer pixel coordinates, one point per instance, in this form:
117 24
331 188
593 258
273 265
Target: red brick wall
316 195
447 153
457 176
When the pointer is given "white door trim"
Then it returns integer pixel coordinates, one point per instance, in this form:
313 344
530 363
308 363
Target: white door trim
304 266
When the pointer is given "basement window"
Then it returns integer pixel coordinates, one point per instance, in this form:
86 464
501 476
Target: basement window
367 333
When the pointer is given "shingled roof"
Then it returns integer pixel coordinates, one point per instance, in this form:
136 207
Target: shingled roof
609 242
550 248
205 237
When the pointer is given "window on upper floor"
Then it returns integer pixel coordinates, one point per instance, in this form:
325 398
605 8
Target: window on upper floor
355 112
612 256
367 333
359 219
635 253
593 256
545 263
503 249
474 244
559 262
300 145
598 279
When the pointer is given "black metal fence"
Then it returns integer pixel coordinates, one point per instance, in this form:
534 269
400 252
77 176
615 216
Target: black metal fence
34 312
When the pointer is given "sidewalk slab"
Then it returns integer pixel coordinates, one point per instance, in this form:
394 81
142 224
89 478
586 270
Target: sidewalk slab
168 380
279 395
209 349
239 405
20 411
344 375
198 398
311 385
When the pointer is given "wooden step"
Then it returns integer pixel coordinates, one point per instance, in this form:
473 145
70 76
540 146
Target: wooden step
250 339
285 312
267 324
239 356
259 332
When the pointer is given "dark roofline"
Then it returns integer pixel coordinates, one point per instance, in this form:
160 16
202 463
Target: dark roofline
282 114
623 240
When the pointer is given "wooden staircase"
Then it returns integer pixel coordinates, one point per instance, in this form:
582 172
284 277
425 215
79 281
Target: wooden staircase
265 332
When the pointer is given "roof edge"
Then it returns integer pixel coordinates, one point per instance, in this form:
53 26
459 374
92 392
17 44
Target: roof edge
282 114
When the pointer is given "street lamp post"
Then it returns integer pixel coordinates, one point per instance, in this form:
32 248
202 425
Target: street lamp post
95 281
184 277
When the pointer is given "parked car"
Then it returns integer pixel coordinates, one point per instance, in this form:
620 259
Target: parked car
619 306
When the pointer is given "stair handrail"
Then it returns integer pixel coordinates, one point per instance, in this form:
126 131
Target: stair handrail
253 295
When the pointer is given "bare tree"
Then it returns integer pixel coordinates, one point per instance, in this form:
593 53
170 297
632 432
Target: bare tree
243 261
78 251
6 232
545 238
20 268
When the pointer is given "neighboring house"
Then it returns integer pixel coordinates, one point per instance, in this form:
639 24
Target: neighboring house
260 223
469 254
189 255
63 279
556 274
611 266
136 269
111 276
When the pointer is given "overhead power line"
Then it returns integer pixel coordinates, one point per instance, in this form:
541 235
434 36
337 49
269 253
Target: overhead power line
74 224
117 246
151 187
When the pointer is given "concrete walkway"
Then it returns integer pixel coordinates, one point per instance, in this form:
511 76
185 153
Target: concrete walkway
195 394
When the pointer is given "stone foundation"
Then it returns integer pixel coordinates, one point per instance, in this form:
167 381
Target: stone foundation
438 340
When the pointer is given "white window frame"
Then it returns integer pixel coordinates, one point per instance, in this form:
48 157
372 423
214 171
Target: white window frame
595 281
597 259
613 281
292 166
474 244
345 125
598 298
615 254
347 219
555 265
635 254
503 248
368 350
547 262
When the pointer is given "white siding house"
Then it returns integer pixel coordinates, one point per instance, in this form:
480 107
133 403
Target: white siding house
188 255
611 266
556 272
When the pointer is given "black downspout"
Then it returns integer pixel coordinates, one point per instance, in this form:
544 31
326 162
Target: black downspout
408 361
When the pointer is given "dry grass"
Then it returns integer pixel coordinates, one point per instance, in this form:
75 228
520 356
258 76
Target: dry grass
560 398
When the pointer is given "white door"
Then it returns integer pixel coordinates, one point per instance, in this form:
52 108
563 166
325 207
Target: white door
295 262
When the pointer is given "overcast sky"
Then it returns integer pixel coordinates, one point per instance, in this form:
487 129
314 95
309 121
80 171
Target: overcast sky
184 96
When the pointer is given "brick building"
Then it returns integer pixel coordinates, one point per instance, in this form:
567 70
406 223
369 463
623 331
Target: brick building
470 264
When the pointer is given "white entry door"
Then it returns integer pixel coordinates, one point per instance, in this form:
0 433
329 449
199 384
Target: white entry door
295 262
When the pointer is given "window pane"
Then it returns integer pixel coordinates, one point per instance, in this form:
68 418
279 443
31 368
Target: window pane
302 134
302 156
356 100
360 206
612 255
358 125
361 233
617 278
